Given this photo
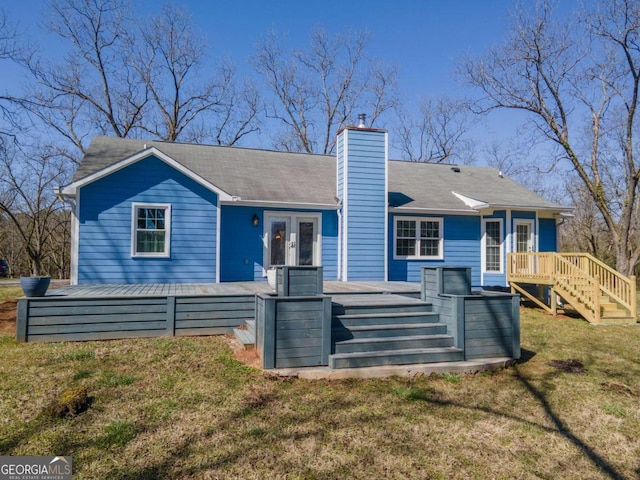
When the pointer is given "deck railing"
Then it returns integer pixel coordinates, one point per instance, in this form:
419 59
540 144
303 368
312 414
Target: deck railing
579 275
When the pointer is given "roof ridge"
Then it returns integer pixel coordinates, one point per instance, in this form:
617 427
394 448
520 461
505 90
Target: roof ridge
208 145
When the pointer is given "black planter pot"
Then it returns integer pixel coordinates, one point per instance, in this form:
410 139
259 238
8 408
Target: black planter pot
35 286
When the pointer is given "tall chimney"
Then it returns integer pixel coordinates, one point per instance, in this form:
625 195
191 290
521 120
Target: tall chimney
362 189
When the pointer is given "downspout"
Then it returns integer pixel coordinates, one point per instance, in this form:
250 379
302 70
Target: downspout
386 207
537 233
339 276
559 222
509 245
74 240
218 237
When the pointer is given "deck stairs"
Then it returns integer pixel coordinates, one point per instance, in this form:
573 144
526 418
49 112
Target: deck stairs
386 329
246 336
597 292
379 329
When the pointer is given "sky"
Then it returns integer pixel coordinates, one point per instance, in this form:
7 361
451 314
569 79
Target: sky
423 38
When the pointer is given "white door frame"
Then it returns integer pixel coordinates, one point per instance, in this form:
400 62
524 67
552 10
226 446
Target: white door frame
291 243
532 237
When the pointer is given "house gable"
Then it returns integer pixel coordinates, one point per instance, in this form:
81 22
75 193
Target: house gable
105 226
71 189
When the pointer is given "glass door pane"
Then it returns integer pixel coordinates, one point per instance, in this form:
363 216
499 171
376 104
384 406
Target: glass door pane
306 242
279 236
523 238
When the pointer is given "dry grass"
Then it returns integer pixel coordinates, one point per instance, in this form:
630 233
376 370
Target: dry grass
9 292
184 408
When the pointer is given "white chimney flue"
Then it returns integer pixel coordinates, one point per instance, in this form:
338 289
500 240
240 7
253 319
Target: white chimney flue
362 119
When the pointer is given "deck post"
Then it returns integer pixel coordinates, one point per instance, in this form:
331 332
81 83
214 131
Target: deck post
269 336
541 291
21 320
553 299
326 330
596 299
458 314
634 313
515 327
171 316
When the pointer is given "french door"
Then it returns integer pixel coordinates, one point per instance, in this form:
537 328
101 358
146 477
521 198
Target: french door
524 244
292 239
524 236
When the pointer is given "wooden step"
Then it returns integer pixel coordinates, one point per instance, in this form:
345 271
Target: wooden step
375 304
617 320
395 330
395 357
246 339
392 343
384 318
251 327
341 309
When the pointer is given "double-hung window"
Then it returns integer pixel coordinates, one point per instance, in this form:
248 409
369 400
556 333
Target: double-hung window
492 245
151 233
418 238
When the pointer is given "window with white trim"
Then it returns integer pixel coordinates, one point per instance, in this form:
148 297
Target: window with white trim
418 238
151 232
492 245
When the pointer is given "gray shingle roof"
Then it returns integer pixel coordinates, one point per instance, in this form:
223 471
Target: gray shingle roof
430 185
269 176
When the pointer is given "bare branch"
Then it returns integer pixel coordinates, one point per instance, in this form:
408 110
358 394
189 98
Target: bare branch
320 89
581 93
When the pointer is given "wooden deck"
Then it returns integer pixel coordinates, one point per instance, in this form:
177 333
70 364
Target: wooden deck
100 312
227 288
596 291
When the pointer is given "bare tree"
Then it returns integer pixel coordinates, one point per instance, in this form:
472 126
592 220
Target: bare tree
586 231
27 200
11 50
318 90
94 90
579 85
125 78
188 105
439 134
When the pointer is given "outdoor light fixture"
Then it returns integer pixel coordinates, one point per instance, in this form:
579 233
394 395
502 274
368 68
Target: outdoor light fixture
255 220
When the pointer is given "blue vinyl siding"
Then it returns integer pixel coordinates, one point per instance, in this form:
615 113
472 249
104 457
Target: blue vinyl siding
364 202
547 240
242 247
461 235
104 254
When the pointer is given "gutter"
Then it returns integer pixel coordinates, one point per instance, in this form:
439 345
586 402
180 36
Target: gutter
237 201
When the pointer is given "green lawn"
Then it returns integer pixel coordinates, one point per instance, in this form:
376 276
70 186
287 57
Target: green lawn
184 408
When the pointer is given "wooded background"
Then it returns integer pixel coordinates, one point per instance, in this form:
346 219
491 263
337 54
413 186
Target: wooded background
575 80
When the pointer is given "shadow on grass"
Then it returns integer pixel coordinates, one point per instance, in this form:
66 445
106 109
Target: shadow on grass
560 426
254 438
525 356
566 432
246 441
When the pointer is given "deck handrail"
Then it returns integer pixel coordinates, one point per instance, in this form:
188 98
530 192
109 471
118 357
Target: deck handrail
577 274
614 284
574 281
